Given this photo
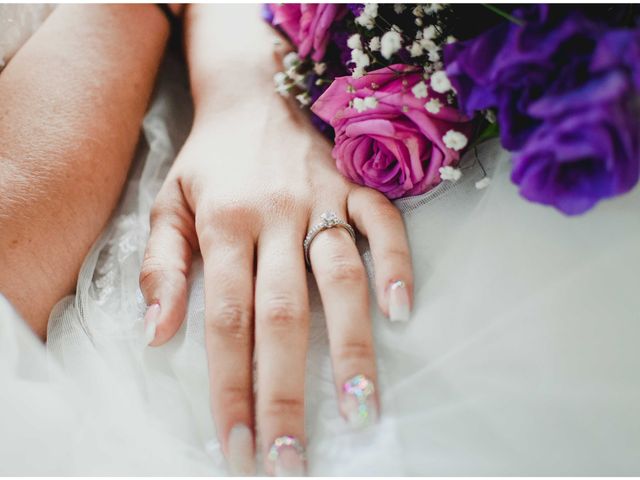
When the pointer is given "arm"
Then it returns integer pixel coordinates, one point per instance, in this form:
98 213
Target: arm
72 102
251 179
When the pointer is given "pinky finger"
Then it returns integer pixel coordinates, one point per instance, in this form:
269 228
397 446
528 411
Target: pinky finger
381 222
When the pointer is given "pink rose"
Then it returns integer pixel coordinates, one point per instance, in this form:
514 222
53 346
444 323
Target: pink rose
392 143
307 25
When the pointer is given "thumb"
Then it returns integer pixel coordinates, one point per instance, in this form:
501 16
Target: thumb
166 264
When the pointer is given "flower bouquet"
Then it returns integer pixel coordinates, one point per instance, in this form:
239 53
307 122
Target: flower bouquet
403 90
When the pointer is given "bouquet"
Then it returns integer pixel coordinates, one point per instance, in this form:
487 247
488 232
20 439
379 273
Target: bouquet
404 90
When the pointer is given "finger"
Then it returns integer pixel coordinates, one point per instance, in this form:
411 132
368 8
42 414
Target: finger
228 275
342 282
167 259
282 325
377 218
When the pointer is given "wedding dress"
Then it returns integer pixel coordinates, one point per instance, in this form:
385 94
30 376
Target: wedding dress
521 357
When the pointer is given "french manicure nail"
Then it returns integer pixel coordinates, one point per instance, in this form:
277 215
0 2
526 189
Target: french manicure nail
288 456
359 402
150 322
398 302
240 447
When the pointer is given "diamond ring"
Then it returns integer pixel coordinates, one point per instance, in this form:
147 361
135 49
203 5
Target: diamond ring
328 220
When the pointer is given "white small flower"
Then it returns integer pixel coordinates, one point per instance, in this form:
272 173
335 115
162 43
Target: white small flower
297 78
290 60
419 90
280 78
282 87
368 15
399 8
358 104
304 99
418 11
358 72
451 39
490 115
450 173
429 33
455 140
320 68
433 106
370 102
483 183
440 82
374 44
434 56
433 8
283 90
354 42
363 104
428 45
415 49
371 10
418 22
360 58
390 43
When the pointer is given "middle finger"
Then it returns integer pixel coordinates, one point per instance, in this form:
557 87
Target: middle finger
282 324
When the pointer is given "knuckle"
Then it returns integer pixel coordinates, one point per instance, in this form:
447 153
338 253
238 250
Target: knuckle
345 270
230 320
284 202
383 210
355 349
150 271
282 313
222 214
233 395
284 406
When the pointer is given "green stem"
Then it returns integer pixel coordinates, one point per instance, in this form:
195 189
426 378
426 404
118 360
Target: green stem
503 14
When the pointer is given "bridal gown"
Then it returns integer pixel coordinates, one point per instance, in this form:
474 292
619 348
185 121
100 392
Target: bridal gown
521 358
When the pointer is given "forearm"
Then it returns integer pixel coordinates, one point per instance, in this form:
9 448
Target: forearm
72 102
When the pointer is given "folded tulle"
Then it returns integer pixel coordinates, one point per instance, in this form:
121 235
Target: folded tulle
521 356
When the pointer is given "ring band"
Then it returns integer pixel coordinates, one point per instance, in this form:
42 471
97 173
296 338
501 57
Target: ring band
328 220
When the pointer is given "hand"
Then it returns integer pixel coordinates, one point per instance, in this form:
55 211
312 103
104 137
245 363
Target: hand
252 178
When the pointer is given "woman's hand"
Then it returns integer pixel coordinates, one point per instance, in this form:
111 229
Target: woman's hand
252 178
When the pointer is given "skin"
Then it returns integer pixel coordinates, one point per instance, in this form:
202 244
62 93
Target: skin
73 99
251 179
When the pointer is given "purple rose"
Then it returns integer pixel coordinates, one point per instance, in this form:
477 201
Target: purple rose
588 147
577 160
510 66
566 91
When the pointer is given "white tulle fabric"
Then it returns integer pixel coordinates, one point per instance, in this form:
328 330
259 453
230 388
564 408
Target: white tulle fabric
521 357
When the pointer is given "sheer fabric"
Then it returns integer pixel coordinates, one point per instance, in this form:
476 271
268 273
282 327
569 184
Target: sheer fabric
521 357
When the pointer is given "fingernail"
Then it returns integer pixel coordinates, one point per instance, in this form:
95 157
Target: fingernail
398 302
359 403
150 322
288 456
240 447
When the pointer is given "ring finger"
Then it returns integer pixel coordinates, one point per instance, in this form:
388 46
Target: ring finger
342 282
